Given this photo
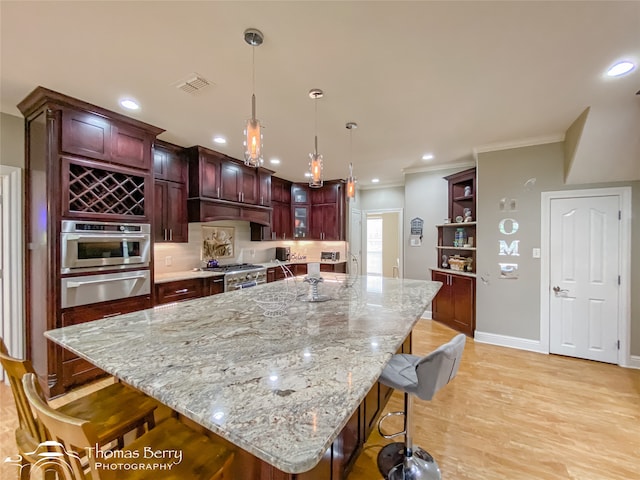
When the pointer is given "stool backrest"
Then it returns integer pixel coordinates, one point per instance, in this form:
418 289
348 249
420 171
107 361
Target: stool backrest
75 434
16 369
439 367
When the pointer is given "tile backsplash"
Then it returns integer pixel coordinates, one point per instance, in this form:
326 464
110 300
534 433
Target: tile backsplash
176 257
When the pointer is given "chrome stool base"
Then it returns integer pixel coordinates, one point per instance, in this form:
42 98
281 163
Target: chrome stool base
393 465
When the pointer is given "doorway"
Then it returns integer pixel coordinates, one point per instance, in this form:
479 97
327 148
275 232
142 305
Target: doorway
383 239
11 266
585 275
354 252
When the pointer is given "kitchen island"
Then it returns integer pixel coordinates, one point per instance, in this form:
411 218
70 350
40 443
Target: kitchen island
283 389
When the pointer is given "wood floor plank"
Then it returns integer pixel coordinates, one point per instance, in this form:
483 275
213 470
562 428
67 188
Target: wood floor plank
516 415
508 415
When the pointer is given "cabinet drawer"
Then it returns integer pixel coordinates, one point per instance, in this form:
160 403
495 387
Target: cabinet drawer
178 291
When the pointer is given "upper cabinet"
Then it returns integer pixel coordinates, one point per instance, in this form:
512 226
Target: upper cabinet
223 188
94 136
327 212
170 189
318 213
204 172
238 183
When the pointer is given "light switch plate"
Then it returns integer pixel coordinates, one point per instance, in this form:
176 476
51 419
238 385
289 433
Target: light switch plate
536 253
168 261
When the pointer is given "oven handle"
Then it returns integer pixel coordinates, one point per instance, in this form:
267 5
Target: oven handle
246 285
89 282
105 237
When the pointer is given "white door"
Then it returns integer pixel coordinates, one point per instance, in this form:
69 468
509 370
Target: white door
584 271
355 242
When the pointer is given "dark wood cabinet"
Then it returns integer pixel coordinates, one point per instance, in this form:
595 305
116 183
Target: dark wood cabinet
81 162
338 267
75 370
238 183
223 188
213 285
178 291
280 200
170 194
455 305
95 136
94 190
264 187
280 190
327 212
188 289
204 172
169 162
170 222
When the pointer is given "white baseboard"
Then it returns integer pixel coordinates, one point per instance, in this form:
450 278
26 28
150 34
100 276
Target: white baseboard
634 362
511 342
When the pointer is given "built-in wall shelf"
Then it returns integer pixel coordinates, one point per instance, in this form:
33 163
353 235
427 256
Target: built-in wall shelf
441 247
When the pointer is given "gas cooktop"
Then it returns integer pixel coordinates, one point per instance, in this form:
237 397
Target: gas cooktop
233 267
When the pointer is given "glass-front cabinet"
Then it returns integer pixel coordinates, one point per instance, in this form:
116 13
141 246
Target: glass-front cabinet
300 221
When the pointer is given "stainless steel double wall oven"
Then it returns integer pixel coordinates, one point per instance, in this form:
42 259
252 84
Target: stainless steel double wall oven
88 248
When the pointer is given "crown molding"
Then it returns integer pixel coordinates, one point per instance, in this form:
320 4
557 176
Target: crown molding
439 167
378 186
526 142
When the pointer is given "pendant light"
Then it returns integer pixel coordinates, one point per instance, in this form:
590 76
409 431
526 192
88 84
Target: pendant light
315 163
351 180
253 130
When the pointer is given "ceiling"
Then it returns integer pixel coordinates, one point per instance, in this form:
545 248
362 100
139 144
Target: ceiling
418 77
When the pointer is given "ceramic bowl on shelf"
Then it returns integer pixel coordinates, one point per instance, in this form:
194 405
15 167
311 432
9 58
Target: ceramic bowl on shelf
459 219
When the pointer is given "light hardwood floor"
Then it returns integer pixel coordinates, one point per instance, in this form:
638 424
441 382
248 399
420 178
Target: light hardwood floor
508 415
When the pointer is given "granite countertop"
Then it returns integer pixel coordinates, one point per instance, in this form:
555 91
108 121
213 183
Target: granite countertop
280 388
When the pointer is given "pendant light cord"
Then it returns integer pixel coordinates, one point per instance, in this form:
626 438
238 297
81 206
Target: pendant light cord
253 69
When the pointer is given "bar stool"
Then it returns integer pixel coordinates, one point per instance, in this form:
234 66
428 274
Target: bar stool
180 452
115 410
421 377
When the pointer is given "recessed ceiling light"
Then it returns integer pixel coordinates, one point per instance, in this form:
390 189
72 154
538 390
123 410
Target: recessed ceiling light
620 68
220 140
375 180
427 156
275 161
129 104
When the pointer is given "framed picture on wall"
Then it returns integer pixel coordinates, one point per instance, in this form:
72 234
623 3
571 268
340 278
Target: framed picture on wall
217 242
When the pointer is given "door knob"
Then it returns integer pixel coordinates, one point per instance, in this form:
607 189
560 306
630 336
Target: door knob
559 291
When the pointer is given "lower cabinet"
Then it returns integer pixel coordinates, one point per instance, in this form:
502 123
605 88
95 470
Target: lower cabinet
179 290
188 289
455 303
75 370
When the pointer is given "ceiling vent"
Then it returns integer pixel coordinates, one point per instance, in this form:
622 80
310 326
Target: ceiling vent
193 84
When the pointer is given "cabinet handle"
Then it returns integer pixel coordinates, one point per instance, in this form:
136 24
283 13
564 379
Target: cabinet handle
171 234
165 234
111 315
182 290
218 192
220 280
